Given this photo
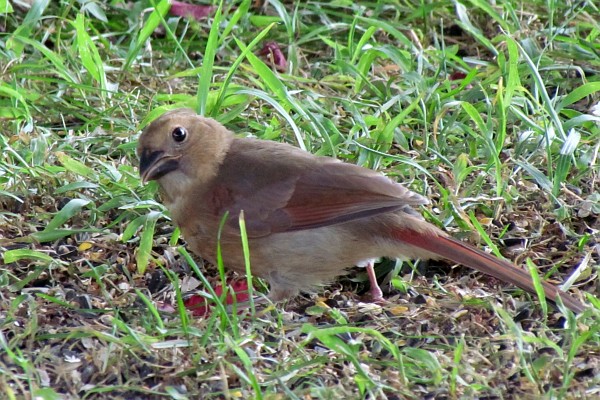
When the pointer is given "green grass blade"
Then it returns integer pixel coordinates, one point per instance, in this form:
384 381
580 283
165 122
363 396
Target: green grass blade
234 67
11 256
156 17
206 71
537 283
25 29
90 57
577 94
246 250
565 159
144 249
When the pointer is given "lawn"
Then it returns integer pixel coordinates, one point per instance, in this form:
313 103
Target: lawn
490 109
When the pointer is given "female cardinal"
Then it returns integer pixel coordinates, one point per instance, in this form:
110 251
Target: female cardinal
307 218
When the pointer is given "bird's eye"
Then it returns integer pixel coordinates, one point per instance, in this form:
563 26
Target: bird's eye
179 134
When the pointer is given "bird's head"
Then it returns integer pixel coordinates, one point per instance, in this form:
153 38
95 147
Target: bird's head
183 144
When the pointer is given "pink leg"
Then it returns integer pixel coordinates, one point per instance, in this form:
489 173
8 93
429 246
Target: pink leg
376 293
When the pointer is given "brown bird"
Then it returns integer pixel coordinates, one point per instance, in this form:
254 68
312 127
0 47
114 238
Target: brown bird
307 218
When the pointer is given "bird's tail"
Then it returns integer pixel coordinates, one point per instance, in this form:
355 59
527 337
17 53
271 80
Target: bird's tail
462 253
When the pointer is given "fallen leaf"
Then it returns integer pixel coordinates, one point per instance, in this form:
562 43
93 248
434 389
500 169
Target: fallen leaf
398 310
85 246
457 76
198 12
200 307
272 52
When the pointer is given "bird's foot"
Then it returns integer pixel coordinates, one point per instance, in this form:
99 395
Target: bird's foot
375 291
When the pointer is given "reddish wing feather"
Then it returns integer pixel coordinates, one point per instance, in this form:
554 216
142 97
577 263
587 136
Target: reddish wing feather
338 192
282 188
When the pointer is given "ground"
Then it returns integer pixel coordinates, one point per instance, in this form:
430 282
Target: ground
489 109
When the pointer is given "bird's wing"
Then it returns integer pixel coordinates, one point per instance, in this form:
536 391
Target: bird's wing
281 188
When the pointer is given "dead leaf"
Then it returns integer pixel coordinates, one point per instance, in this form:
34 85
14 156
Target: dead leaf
272 52
198 12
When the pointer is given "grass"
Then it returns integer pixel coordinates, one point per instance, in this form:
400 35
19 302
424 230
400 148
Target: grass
490 110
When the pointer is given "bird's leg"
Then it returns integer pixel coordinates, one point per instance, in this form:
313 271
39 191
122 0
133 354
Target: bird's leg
376 293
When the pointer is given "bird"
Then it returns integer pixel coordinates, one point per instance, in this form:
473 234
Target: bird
307 218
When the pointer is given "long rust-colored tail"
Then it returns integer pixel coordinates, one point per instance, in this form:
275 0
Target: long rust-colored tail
462 253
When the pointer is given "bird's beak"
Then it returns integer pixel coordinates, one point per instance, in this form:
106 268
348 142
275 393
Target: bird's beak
156 164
